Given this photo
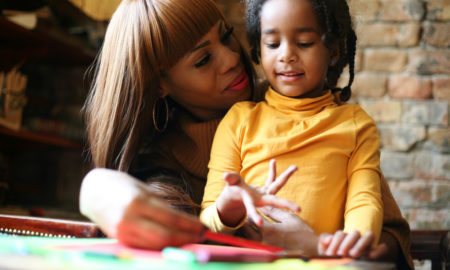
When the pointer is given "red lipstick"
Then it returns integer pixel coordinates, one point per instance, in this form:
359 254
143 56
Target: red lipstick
240 83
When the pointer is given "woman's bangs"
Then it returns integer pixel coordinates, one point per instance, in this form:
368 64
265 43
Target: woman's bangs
186 21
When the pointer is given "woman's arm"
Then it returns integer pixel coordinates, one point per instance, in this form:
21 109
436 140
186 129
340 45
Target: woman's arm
125 209
293 234
287 230
392 249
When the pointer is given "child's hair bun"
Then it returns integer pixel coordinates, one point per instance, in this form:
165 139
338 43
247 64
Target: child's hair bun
345 93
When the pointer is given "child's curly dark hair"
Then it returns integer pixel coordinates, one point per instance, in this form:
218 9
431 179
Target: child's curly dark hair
334 18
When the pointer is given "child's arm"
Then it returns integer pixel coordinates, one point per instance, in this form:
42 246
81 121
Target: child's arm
364 207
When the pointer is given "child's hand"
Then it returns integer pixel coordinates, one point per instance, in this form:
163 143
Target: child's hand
237 197
349 245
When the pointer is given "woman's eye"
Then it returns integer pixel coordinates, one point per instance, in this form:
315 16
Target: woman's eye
227 35
305 44
203 61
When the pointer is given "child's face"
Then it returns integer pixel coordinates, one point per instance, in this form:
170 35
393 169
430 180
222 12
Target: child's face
293 56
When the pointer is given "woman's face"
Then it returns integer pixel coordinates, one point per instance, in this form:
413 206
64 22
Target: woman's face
211 77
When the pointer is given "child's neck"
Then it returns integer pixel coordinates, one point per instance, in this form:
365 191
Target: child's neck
314 93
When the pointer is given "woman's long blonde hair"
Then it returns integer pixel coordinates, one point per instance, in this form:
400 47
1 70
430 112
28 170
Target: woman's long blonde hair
144 37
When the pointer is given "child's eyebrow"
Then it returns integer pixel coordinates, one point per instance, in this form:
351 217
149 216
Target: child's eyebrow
299 30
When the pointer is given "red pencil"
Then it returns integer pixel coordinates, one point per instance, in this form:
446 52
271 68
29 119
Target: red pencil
238 241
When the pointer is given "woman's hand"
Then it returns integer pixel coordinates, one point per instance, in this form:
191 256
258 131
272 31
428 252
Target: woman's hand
125 209
238 198
351 245
288 231
296 236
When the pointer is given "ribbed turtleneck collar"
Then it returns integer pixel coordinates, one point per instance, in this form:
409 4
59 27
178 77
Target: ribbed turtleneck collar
305 106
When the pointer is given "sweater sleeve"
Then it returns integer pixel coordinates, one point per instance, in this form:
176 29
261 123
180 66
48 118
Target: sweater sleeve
225 157
364 209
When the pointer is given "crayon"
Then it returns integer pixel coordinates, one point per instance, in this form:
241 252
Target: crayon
238 241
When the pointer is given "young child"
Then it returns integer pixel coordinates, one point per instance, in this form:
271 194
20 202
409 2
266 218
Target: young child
303 46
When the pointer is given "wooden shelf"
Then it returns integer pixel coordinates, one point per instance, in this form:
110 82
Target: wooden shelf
43 43
41 138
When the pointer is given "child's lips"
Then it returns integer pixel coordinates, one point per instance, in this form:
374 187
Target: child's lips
290 76
240 83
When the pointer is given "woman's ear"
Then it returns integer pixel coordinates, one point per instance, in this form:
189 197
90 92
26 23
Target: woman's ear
164 86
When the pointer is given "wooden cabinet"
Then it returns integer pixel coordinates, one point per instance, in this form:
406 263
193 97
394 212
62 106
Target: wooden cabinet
42 44
42 164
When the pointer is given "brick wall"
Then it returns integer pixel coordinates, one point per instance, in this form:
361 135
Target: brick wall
403 82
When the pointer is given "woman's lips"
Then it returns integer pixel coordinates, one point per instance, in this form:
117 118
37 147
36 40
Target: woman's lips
240 83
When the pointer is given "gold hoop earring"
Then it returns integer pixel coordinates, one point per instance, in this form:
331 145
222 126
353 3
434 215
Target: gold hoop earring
156 114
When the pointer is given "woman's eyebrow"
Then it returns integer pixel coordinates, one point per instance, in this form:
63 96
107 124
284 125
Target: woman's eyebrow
201 45
206 43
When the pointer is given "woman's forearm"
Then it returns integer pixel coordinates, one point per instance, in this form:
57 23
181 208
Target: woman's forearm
105 194
124 208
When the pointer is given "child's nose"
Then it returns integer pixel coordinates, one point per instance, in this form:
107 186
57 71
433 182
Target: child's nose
287 53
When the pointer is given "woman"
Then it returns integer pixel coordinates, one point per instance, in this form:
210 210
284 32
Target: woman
167 73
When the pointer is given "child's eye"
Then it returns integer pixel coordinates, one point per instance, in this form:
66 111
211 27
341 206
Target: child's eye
305 44
272 45
227 35
203 61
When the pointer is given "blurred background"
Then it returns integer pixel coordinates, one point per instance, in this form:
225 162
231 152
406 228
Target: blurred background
402 81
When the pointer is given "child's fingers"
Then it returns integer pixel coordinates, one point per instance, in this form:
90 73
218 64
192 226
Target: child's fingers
232 178
338 237
251 209
348 243
271 175
274 201
362 246
281 180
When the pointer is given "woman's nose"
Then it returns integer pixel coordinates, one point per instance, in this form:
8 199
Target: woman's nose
287 53
229 59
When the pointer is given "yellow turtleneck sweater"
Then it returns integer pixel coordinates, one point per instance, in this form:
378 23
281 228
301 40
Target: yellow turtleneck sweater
336 149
